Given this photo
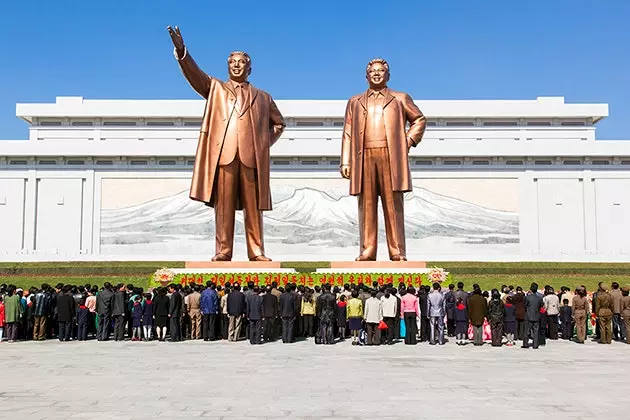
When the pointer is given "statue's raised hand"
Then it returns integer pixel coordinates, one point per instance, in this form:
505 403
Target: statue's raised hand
176 37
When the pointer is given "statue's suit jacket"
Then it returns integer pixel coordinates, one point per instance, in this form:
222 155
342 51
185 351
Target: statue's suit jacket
398 109
266 122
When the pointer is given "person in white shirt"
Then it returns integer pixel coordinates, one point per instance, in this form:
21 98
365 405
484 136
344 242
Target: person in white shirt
373 315
389 306
552 307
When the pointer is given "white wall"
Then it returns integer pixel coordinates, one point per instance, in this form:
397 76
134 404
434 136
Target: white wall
563 215
12 214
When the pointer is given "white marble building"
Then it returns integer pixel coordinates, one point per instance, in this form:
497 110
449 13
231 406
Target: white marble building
493 180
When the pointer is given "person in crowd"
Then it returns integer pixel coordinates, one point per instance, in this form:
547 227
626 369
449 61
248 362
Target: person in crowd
552 309
326 309
43 310
83 319
118 312
409 312
509 320
104 301
436 307
619 331
270 314
307 310
209 306
175 311
147 317
236 306
373 315
160 313
342 318
496 316
354 312
288 311
389 305
66 312
518 299
605 307
566 321
423 322
90 303
625 311
451 301
462 294
136 318
2 312
193 307
477 310
254 312
461 322
580 310
533 305
225 318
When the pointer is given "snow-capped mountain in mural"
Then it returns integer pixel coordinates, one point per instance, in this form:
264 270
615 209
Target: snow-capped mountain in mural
309 216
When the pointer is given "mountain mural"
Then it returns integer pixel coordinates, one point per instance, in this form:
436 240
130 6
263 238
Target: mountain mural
308 216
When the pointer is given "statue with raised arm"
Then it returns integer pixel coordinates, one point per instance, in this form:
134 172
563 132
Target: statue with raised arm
231 172
375 158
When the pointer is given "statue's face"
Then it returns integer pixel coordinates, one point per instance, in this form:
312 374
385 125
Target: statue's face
238 68
377 76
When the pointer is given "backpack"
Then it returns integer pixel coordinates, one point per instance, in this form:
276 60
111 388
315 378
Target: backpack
362 337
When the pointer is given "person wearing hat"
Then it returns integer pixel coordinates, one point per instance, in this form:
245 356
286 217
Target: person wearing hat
625 310
580 312
604 313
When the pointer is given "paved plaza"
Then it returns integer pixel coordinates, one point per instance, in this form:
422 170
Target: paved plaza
91 380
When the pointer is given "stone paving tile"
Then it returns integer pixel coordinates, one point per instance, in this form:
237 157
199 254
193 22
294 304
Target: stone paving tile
220 380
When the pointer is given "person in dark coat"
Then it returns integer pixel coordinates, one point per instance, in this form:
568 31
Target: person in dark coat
269 313
566 320
83 316
461 322
254 315
288 311
147 317
66 311
496 313
118 312
509 321
477 311
175 306
450 301
326 309
104 300
136 319
519 312
236 307
160 313
425 320
533 304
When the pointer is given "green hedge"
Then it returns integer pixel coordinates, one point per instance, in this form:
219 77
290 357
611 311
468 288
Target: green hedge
113 268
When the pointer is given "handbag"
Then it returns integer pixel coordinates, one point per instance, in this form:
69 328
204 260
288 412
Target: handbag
382 325
403 328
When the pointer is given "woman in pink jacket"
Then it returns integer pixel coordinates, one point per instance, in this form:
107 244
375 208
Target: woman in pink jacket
409 311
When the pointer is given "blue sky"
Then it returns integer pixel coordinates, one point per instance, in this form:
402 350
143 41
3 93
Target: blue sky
440 49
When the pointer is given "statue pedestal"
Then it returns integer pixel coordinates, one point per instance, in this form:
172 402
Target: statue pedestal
402 267
396 265
234 265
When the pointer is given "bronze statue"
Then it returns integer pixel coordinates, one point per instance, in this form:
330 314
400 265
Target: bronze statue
374 157
231 171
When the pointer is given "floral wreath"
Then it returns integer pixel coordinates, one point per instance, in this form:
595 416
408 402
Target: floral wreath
437 275
164 276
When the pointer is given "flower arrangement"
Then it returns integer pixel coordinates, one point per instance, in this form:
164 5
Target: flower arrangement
164 276
437 275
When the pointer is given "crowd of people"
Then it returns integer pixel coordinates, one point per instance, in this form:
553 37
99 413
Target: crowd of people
363 314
